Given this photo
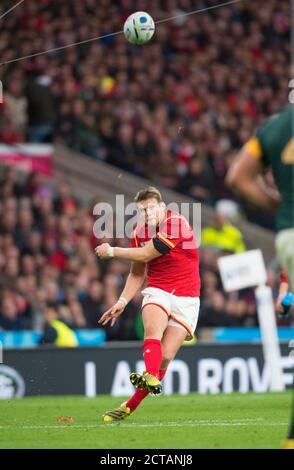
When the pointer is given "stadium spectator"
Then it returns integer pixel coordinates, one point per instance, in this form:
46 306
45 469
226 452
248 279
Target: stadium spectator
151 109
179 124
16 104
198 181
13 311
41 109
214 313
49 262
93 303
57 331
222 234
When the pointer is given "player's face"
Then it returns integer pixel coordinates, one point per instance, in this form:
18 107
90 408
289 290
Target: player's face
151 211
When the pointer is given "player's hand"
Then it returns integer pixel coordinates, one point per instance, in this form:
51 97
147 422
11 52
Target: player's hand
104 251
112 314
279 307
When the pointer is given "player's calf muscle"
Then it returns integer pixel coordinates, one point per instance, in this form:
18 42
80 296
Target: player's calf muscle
167 356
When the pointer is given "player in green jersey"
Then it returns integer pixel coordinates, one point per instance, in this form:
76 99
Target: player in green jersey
271 147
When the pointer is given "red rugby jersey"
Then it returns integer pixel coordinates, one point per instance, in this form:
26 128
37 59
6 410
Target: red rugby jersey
177 271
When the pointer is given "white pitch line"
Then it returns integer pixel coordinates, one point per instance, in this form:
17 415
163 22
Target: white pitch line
245 422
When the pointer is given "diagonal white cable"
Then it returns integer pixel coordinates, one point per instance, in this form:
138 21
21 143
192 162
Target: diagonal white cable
56 49
10 9
213 7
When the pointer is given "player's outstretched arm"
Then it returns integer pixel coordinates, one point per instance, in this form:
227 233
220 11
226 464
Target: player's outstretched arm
141 255
134 282
245 178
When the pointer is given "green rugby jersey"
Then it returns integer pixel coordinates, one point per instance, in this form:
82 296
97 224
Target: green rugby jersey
274 144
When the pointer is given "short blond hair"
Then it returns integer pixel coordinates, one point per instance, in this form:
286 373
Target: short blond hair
147 193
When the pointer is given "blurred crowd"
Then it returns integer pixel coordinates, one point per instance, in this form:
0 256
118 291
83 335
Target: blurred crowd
175 110
48 269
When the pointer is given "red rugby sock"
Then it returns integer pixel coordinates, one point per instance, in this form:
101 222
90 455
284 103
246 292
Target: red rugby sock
152 356
139 395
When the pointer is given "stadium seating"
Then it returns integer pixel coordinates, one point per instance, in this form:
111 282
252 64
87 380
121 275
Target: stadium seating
96 100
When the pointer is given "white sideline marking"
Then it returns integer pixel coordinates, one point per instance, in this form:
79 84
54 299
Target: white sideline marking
195 423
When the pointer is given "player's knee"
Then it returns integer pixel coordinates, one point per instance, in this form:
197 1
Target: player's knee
152 333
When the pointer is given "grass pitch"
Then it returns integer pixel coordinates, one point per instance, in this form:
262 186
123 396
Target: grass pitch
191 421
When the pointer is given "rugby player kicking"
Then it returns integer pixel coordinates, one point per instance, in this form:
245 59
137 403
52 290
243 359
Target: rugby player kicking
163 249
